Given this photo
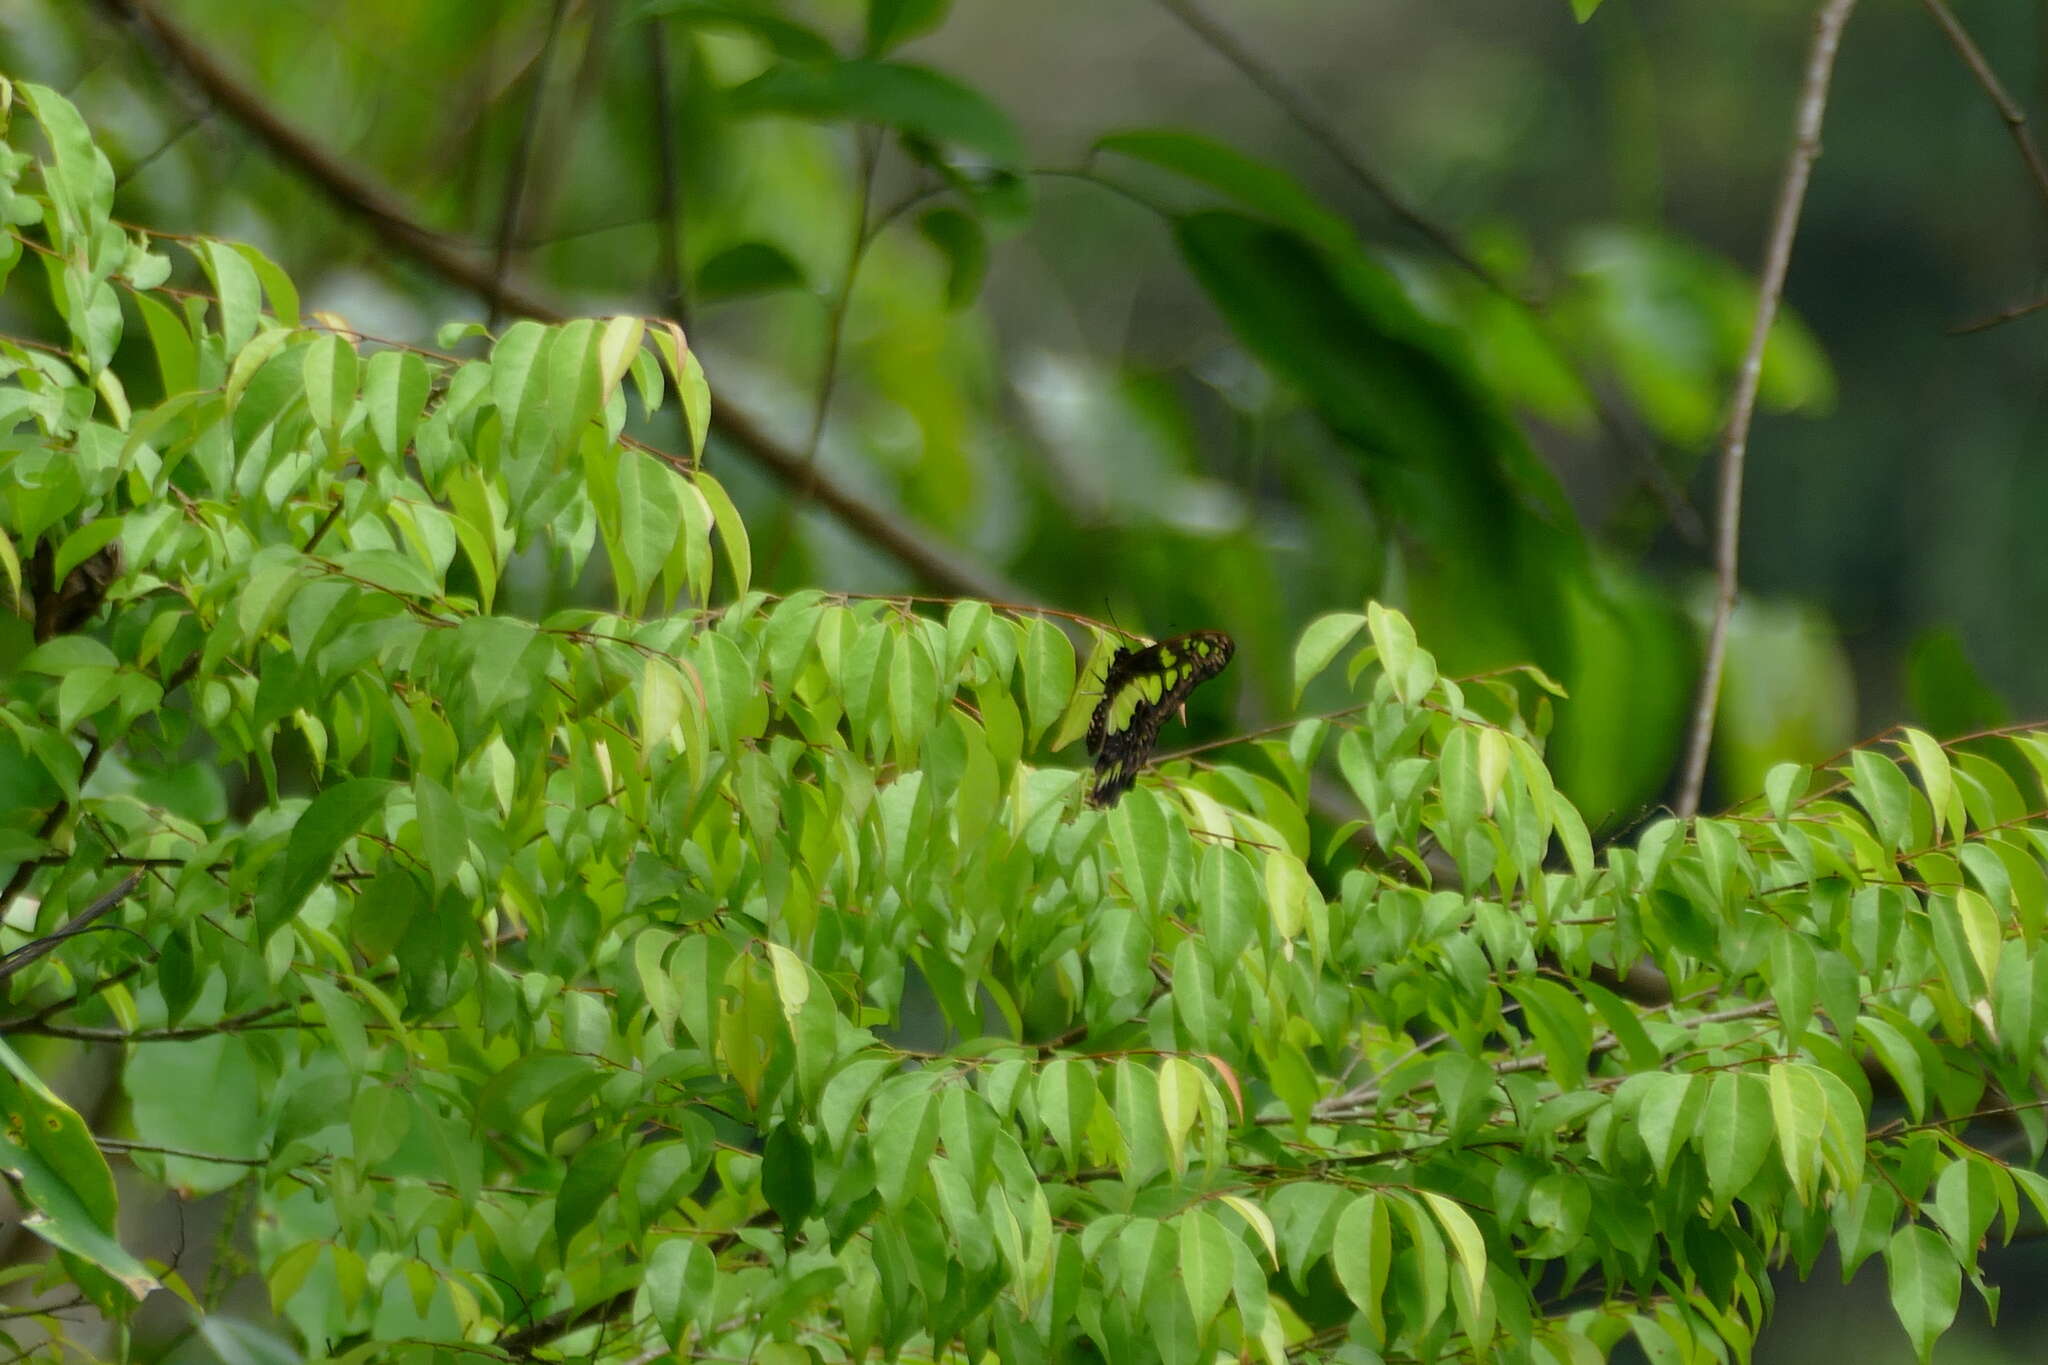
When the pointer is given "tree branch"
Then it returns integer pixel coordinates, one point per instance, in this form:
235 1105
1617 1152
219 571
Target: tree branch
1362 1098
1812 105
2008 108
358 196
670 289
28 953
522 155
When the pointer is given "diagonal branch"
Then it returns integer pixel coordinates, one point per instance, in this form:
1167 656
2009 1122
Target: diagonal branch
384 213
35 949
2008 108
522 155
1813 99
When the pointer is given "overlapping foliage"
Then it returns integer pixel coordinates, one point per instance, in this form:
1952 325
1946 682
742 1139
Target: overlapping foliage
744 978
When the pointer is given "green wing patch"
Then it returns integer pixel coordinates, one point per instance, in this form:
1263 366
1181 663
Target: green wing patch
1142 688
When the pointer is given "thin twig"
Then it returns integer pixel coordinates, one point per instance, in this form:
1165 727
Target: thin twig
1620 432
522 154
835 336
670 287
2008 108
1306 117
1813 99
2017 310
37 948
1366 1096
381 210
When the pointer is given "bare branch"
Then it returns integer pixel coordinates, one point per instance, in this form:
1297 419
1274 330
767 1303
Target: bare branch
1812 105
671 290
2005 315
361 197
835 336
2008 108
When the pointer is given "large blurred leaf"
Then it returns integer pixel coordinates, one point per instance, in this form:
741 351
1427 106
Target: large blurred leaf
1500 574
1946 691
911 99
785 36
1788 695
1672 321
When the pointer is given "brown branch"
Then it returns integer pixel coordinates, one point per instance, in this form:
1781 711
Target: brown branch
1812 105
1274 87
1364 1097
2005 315
671 288
522 155
28 953
358 196
2008 108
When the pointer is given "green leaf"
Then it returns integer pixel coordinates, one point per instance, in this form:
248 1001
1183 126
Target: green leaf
903 1137
1048 663
1362 1252
236 288
679 1281
911 99
1883 791
1257 185
960 240
1320 643
732 532
1799 1111
335 816
1468 1252
1925 1284
176 357
529 1080
1066 1104
894 22
1407 666
748 269
395 388
592 1178
49 1156
1206 1265
1465 1085
1735 1132
783 36
1582 10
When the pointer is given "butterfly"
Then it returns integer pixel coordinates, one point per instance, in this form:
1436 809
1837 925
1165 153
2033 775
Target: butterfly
1142 688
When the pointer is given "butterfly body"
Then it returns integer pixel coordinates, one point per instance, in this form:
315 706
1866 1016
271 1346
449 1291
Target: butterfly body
1141 689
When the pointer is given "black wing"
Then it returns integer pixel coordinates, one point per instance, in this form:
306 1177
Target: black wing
1142 688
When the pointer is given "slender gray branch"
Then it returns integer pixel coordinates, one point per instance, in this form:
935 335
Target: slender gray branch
672 289
2008 108
522 155
1784 226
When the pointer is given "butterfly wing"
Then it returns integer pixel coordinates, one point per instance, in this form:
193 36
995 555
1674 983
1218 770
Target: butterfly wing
1142 689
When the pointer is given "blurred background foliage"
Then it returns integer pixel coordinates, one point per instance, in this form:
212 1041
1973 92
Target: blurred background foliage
1110 328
